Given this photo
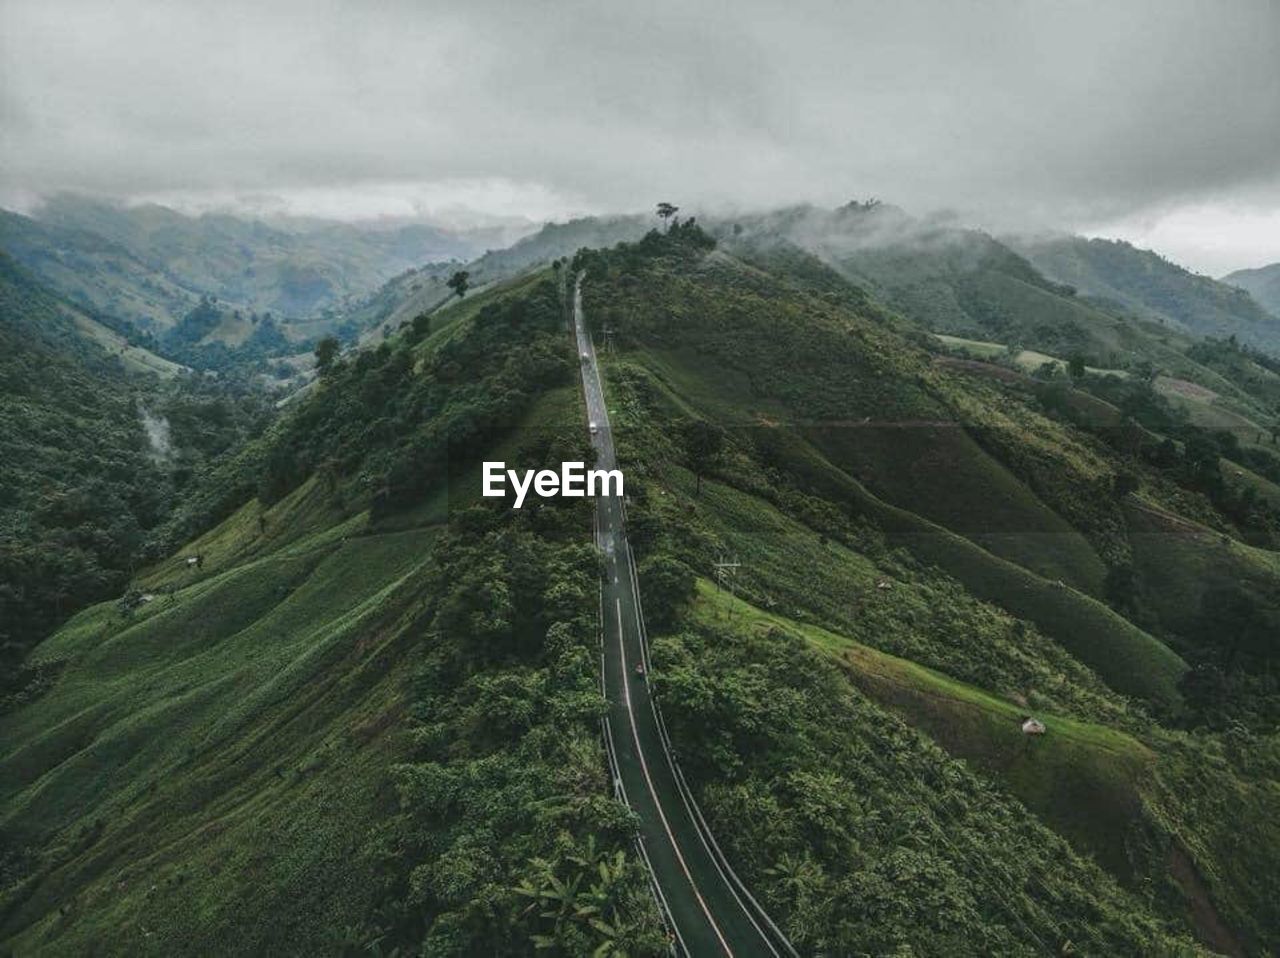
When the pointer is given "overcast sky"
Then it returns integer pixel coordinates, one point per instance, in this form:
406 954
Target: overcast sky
1157 121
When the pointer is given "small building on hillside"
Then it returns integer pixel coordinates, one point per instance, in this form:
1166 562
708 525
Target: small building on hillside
1032 726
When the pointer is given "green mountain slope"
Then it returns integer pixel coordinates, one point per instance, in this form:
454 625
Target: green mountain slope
95 272
294 269
375 692
1263 284
848 377
841 531
425 289
1108 792
96 438
1149 285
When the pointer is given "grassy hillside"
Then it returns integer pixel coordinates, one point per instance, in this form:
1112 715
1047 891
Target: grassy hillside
841 485
965 284
1113 794
367 718
850 376
861 835
376 692
94 447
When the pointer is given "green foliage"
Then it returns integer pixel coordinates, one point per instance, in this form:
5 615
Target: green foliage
397 421
819 548
326 354
420 327
335 736
83 492
403 705
860 835
703 443
508 835
459 282
666 584
854 390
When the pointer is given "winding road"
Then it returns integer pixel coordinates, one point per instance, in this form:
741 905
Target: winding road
708 909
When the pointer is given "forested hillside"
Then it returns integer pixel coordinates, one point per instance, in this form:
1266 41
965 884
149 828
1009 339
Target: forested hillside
368 719
1263 284
294 269
92 457
881 577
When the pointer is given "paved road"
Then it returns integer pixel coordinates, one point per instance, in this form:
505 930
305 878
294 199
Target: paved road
710 912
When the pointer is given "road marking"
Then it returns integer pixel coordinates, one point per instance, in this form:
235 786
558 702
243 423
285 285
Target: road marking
644 766
677 776
614 510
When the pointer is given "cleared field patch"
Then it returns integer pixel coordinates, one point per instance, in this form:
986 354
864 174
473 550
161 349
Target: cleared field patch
938 471
1128 659
1184 560
135 358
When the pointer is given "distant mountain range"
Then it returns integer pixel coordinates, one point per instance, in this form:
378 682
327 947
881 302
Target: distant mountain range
216 290
151 265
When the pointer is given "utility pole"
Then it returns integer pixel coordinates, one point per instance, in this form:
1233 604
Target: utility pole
608 338
725 571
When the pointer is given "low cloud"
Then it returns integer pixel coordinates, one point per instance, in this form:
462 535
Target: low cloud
1017 114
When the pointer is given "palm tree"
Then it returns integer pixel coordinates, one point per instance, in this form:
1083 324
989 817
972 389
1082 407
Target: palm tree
588 899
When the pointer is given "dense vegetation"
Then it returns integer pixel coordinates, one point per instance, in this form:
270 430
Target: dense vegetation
508 836
390 685
785 751
368 721
400 418
85 489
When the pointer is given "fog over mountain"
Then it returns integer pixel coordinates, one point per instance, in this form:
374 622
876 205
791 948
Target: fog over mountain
1152 121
